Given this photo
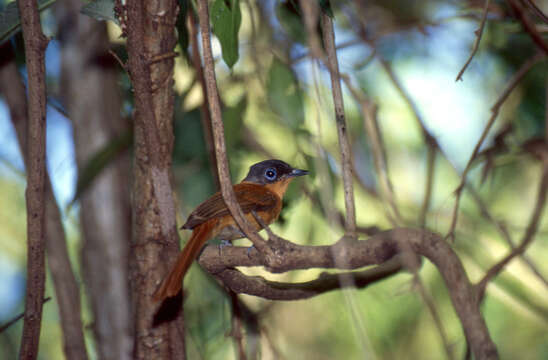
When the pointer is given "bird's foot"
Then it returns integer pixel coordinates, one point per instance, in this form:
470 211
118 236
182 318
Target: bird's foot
223 244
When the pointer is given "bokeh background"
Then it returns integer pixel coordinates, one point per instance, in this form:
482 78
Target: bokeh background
277 103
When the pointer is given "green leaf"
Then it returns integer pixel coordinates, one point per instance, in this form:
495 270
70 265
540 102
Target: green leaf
226 19
100 10
285 95
98 162
10 23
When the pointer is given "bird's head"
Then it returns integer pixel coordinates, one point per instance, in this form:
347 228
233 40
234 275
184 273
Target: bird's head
272 171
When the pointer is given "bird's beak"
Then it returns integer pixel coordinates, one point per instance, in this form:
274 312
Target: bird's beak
297 172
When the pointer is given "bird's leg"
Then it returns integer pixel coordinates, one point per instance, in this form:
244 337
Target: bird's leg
224 243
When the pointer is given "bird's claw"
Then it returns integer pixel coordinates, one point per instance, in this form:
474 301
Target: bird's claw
223 244
249 250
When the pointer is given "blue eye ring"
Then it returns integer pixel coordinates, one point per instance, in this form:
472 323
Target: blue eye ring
270 174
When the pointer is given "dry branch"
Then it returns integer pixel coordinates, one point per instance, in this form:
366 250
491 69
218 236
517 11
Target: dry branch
66 287
219 139
527 238
344 146
35 48
510 86
475 47
376 250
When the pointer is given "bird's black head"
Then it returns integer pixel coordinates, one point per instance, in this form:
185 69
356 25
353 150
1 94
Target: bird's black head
271 171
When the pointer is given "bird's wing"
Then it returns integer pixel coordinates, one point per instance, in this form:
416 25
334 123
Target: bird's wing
249 196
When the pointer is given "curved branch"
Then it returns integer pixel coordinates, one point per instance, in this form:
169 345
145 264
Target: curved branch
376 250
272 290
219 138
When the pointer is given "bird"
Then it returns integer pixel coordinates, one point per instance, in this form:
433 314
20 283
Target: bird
259 193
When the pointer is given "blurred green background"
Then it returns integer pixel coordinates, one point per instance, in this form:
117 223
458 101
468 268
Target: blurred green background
277 103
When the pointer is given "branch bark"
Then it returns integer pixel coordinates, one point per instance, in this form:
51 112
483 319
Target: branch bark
344 146
89 90
35 48
66 287
219 139
376 250
151 35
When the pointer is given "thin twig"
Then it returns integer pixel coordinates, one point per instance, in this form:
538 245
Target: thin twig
504 233
430 304
429 187
204 113
17 318
64 281
218 135
475 47
527 238
538 12
117 58
344 146
162 57
511 85
369 114
35 47
236 331
528 25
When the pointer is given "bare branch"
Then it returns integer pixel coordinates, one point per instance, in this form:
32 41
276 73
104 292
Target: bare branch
429 187
17 318
271 290
219 140
205 116
369 113
510 86
504 232
475 47
376 250
344 146
527 238
528 26
35 48
66 287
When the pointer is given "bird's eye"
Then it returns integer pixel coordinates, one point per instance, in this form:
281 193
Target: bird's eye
270 173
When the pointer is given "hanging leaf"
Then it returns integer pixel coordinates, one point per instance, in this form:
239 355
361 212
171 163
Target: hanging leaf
100 10
226 19
285 95
10 23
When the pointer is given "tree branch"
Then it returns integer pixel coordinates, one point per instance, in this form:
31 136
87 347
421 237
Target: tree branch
510 86
271 290
218 136
35 48
344 146
527 238
376 250
475 47
66 287
151 34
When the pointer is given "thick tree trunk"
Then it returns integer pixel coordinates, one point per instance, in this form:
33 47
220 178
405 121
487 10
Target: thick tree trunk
151 39
90 91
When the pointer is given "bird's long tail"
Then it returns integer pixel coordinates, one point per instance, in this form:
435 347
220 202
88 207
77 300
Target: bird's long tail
173 282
